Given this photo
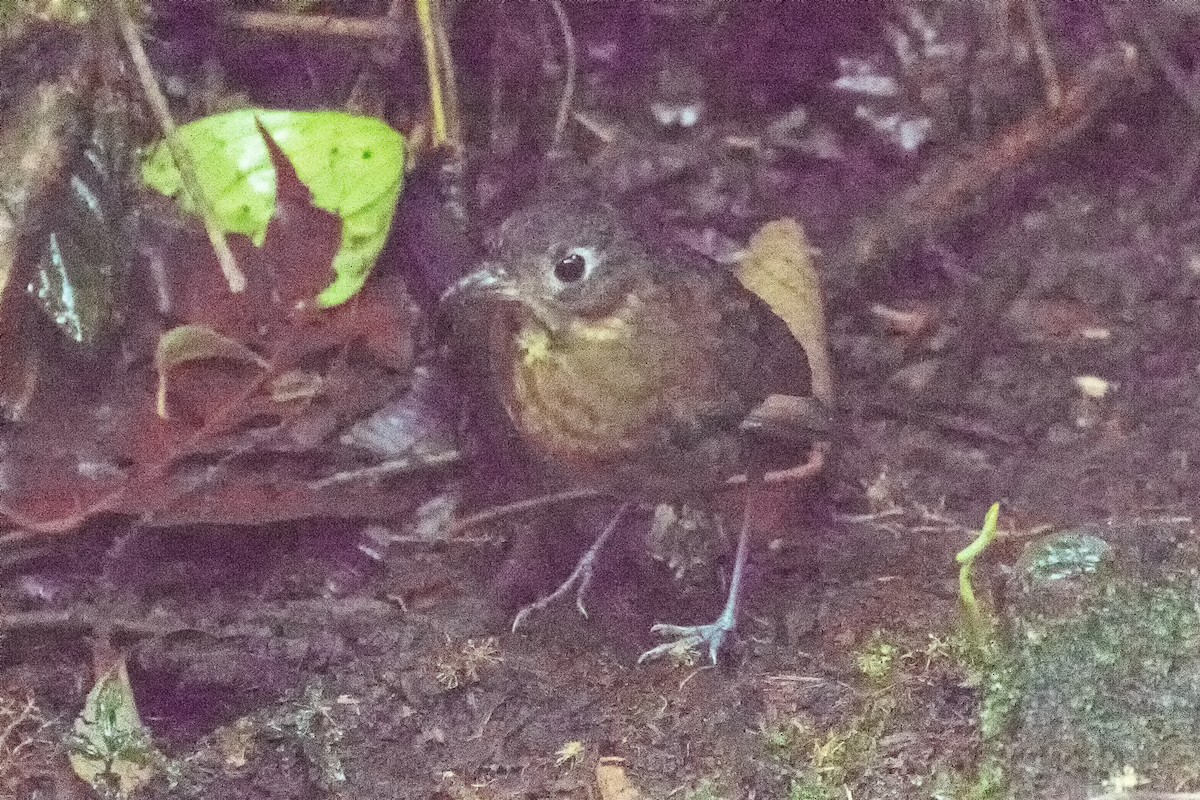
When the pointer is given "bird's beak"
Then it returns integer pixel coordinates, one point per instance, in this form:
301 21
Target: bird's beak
493 282
490 282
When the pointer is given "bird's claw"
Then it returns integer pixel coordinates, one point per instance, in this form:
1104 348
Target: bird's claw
579 580
685 641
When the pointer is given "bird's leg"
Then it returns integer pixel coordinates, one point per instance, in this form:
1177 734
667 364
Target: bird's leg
581 577
686 639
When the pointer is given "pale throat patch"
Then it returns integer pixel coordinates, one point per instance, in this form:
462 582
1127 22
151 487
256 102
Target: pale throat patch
536 344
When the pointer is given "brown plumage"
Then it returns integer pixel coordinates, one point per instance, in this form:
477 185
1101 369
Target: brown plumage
620 365
623 366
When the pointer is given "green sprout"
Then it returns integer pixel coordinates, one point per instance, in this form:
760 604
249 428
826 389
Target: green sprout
978 626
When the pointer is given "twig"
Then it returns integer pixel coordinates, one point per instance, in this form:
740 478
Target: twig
13 538
398 466
944 198
188 173
524 507
449 83
439 69
495 80
383 28
256 621
571 69
1187 87
801 472
84 621
28 712
1045 56
1184 85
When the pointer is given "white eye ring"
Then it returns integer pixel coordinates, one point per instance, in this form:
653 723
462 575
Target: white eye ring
575 266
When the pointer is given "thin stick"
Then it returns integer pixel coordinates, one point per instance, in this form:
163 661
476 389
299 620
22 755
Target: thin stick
524 507
448 80
1045 56
388 469
572 67
800 472
383 28
1183 84
439 73
188 173
83 621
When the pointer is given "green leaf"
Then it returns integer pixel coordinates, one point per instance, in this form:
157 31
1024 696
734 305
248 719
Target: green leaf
110 749
354 167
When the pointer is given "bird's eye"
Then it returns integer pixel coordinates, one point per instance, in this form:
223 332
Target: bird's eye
572 267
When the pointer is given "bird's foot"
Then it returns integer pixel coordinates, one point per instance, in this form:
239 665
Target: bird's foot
579 581
686 641
580 578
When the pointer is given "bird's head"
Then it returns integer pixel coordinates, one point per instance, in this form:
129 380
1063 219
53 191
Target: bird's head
561 261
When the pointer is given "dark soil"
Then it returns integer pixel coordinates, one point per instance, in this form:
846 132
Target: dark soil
291 663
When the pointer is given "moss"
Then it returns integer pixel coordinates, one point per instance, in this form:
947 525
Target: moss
811 789
1100 676
989 783
707 789
825 761
878 660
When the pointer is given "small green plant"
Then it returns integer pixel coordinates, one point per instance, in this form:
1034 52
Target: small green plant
879 659
988 784
979 626
109 748
810 789
981 655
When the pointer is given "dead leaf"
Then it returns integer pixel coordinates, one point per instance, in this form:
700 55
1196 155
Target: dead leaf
236 742
779 270
296 384
785 416
612 781
186 343
909 318
33 144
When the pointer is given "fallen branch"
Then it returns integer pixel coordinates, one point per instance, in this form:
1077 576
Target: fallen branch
945 197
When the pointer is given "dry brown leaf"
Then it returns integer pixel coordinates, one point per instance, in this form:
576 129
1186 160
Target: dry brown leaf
296 384
186 343
779 270
613 783
33 145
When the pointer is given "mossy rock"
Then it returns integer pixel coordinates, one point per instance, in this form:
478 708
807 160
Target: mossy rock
1101 673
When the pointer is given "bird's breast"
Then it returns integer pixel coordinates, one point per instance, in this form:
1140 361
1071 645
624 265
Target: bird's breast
584 394
634 398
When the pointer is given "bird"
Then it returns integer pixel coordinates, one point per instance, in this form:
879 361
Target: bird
625 365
